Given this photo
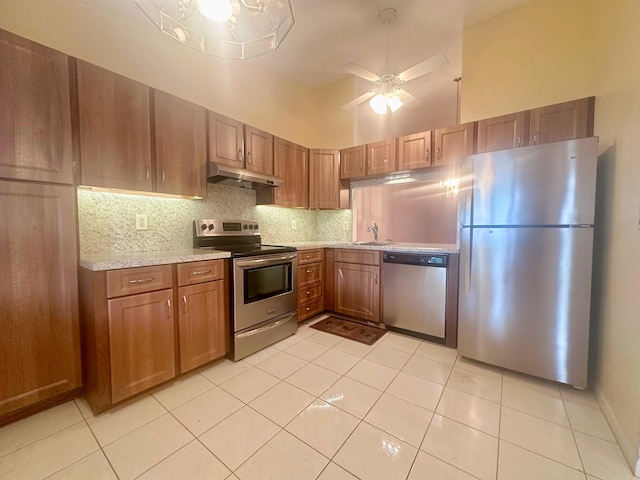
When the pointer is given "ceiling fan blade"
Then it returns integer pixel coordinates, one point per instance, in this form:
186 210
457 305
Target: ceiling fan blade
424 67
360 71
408 100
362 98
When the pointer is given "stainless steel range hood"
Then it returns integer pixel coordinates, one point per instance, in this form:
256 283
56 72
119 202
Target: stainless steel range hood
239 177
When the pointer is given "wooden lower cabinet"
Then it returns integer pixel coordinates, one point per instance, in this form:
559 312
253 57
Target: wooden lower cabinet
202 323
40 340
310 283
141 342
356 284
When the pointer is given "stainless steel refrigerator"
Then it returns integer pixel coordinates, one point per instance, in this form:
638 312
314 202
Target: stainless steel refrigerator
526 244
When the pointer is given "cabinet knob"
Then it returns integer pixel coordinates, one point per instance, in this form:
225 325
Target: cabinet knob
386 160
519 140
309 271
308 292
308 308
426 155
360 166
240 156
249 158
438 153
535 138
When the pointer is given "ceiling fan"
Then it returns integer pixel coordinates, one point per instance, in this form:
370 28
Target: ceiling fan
387 92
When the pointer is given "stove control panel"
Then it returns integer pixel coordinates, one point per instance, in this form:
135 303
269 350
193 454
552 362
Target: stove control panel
215 228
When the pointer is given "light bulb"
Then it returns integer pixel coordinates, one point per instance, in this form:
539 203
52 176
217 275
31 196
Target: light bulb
394 102
378 104
216 10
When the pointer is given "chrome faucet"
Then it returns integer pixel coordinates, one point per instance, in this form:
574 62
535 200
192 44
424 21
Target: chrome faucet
374 229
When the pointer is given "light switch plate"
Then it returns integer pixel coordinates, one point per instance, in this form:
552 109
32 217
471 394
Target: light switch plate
141 221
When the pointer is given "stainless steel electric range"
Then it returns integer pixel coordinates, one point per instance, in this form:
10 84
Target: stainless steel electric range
263 283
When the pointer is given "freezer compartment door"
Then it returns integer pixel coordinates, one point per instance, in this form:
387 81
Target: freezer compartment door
524 300
552 184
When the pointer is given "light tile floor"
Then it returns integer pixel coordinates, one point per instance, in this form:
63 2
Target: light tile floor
315 406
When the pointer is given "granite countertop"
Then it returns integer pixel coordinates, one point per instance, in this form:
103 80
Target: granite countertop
113 261
392 247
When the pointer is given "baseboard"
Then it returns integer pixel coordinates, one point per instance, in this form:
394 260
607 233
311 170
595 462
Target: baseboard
629 451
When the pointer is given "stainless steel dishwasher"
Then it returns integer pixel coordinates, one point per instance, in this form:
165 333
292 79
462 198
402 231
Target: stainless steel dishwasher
415 292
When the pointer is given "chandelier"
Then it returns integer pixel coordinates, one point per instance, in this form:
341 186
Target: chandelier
225 28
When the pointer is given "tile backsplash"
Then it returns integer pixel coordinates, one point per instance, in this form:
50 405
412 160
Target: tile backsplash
107 220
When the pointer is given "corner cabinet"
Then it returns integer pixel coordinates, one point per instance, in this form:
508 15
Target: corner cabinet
291 164
35 118
203 318
357 284
180 139
352 162
114 130
325 188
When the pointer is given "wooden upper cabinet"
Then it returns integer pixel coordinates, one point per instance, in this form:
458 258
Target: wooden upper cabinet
35 118
259 150
381 157
564 121
452 144
180 137
291 164
352 162
500 133
226 140
114 130
325 190
40 341
414 151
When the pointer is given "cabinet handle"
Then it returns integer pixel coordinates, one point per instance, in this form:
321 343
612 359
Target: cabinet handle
309 271
184 299
335 197
519 140
438 153
240 156
249 158
360 166
142 280
163 176
369 163
170 310
535 138
201 273
386 160
308 308
426 156
375 278
277 192
308 292
147 173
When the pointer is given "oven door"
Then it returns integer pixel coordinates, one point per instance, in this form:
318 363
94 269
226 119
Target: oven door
264 288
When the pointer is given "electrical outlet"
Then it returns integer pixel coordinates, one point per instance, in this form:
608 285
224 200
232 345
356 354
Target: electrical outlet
141 221
294 225
345 225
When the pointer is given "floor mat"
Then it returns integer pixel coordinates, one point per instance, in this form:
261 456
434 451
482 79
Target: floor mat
351 330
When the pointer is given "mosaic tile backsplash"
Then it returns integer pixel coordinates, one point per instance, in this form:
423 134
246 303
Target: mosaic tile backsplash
107 220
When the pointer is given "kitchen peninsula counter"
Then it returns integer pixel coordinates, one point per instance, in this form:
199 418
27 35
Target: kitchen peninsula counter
112 261
391 247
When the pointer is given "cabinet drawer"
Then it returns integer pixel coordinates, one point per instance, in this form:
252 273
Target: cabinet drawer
365 257
310 309
198 272
309 274
138 280
309 293
310 256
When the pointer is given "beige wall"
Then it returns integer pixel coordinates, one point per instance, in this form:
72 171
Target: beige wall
137 49
549 51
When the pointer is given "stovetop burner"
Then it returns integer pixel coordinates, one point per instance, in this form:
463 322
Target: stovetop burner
240 237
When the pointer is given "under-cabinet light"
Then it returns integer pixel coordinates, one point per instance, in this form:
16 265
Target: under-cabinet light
139 193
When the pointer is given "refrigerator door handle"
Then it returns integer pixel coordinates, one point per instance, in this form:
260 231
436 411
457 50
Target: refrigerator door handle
467 264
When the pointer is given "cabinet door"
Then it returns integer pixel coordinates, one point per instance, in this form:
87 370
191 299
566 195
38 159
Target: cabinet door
452 144
325 190
259 156
381 157
181 145
291 163
352 162
564 121
501 133
414 151
40 341
114 130
202 324
357 291
141 334
35 118
226 140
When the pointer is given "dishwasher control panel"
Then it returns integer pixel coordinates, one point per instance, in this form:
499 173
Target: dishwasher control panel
413 258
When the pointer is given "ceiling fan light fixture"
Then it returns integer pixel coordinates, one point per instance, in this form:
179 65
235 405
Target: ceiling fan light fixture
394 102
379 104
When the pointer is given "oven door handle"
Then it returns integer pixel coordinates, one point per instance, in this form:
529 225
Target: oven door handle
266 327
264 261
